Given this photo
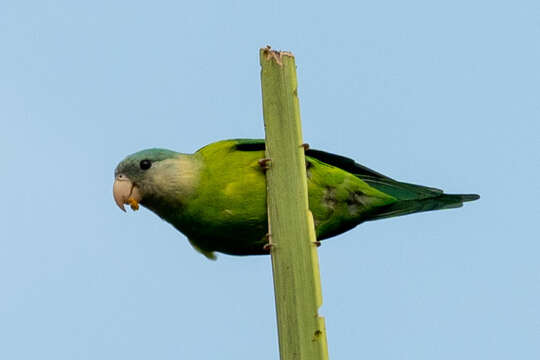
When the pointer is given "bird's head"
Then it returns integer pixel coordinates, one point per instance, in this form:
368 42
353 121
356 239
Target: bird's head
153 175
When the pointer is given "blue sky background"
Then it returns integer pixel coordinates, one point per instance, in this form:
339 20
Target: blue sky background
438 93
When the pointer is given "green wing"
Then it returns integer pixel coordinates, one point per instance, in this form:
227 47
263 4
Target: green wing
410 198
399 190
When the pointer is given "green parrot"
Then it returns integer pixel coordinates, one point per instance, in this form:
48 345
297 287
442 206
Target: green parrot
217 196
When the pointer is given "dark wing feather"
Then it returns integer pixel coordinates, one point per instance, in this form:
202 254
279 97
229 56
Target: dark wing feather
411 198
249 144
339 161
397 189
344 163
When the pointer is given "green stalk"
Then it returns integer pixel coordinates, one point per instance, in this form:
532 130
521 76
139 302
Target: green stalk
301 331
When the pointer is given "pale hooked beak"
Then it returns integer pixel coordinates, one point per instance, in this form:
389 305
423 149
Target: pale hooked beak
125 192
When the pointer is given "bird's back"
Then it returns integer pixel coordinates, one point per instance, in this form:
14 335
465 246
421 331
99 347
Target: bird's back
228 212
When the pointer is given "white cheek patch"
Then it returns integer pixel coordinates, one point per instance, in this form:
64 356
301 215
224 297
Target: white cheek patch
178 176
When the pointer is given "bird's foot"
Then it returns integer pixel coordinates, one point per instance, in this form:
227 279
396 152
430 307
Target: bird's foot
265 163
317 243
268 246
305 146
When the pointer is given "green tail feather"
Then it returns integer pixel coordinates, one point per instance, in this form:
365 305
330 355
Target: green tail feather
411 198
442 201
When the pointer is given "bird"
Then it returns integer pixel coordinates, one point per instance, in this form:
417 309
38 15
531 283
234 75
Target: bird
216 196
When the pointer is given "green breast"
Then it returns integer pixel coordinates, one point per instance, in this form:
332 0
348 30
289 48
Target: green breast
228 210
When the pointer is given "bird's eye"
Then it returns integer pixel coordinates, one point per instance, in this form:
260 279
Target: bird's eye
145 164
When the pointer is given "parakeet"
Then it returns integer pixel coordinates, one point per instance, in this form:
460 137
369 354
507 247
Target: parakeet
217 195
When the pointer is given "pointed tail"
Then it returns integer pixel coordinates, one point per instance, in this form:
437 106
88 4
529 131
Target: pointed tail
404 207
